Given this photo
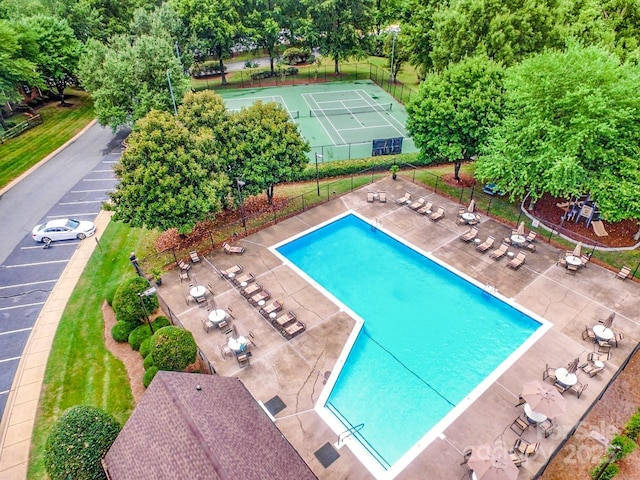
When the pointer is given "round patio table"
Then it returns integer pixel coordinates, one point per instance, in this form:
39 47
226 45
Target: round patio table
573 260
238 345
535 417
602 332
197 292
518 239
217 316
566 378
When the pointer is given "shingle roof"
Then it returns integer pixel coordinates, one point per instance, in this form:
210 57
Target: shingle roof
215 432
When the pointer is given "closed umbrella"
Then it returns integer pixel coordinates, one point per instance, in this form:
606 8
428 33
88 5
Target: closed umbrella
520 230
544 399
492 462
578 250
573 366
609 321
472 206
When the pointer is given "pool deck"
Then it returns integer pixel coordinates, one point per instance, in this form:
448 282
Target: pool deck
296 370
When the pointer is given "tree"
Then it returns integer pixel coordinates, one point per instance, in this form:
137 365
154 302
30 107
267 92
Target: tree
395 49
341 27
455 110
572 127
417 25
173 349
263 27
78 441
265 148
128 306
58 52
129 79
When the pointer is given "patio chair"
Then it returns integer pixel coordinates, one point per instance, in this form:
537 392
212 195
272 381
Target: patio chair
262 296
293 330
437 215
470 235
562 261
530 247
284 320
426 209
547 427
184 275
549 372
518 261
486 245
231 271
571 269
370 197
561 387
585 259
531 237
228 249
591 369
499 252
516 458
521 401
597 356
578 388
589 334
195 258
404 200
183 266
418 204
624 273
604 346
382 197
519 425
225 351
525 447
250 290
273 307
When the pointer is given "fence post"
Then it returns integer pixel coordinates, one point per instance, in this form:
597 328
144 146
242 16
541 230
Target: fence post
489 205
461 193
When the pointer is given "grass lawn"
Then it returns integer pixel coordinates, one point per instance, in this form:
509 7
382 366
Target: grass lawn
80 370
59 125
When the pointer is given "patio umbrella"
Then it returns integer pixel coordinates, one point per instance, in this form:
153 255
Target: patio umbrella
573 366
520 230
578 250
544 399
492 462
609 321
234 332
472 206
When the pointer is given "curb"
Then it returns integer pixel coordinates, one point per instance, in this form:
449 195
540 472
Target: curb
17 180
16 428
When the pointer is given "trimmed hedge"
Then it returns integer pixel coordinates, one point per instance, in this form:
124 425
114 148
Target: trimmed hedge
127 304
159 322
138 335
148 376
78 441
173 348
296 55
148 362
121 330
632 428
627 446
145 347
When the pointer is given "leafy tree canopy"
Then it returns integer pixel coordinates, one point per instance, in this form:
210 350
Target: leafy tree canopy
17 60
572 128
455 110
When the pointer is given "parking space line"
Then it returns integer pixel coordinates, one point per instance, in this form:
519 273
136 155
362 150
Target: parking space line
103 171
9 359
98 179
77 203
36 263
111 161
87 191
15 331
53 244
3 309
28 284
71 215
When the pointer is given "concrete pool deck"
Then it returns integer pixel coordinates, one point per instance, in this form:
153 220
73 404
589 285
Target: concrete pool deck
296 370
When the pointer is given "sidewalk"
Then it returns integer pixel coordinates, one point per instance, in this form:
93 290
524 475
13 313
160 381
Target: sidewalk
22 404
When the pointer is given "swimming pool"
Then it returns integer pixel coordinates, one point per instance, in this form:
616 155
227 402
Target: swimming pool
429 337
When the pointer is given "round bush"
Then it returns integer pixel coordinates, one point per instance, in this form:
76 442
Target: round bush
145 347
173 349
148 362
78 441
121 331
138 335
148 376
159 322
126 302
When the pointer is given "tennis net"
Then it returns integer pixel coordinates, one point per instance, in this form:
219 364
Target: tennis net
328 112
292 113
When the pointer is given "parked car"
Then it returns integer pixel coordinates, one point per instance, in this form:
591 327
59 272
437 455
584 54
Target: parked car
63 229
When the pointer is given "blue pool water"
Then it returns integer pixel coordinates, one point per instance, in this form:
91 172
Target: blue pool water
429 336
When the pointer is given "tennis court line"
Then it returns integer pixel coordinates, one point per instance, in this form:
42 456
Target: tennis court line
352 115
304 96
368 99
279 99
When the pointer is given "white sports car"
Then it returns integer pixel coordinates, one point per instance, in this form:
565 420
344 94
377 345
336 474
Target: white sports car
63 229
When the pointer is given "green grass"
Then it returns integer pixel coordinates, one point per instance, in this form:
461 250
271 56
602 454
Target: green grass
80 370
59 125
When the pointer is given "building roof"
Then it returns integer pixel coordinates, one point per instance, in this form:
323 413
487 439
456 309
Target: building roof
197 426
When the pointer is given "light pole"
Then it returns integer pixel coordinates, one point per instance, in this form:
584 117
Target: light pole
393 51
317 175
240 184
175 109
148 292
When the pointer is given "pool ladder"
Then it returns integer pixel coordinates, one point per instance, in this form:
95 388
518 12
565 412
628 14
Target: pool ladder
490 288
347 433
376 224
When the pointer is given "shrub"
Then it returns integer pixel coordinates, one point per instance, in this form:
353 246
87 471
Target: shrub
295 55
611 471
145 347
121 330
78 441
159 322
139 334
148 376
127 305
148 362
173 348
632 428
626 445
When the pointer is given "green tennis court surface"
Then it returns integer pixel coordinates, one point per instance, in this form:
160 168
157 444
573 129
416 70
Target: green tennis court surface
340 120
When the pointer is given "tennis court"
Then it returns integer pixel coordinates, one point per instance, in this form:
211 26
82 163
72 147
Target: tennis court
340 120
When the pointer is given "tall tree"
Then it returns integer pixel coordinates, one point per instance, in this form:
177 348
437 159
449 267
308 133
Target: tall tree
265 148
262 26
572 128
342 27
18 49
129 79
454 110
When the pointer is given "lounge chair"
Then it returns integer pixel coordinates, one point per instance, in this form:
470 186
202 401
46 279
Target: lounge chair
437 215
382 197
228 249
549 372
250 290
425 209
578 388
403 200
183 266
370 197
232 271
517 262
519 425
245 278
195 258
531 237
470 235
525 447
272 308
624 273
284 320
418 204
261 296
486 245
499 252
292 330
